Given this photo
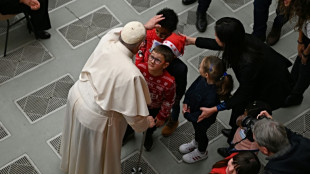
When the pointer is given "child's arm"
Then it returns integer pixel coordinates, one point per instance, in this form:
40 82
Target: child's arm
140 55
153 22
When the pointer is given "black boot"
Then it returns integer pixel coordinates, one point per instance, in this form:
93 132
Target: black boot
274 36
148 143
201 21
223 151
226 132
129 134
188 2
293 100
42 35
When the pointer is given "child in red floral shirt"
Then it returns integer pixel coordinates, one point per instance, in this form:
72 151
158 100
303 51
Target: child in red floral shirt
161 86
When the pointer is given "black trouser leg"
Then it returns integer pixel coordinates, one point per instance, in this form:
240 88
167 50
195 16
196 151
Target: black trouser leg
201 133
261 13
39 18
203 5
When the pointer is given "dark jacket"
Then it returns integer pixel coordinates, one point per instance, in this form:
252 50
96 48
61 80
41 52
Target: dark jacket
10 7
178 70
39 18
295 159
262 76
200 94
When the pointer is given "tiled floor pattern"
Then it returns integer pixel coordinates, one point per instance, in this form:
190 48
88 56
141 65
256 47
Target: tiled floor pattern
42 102
131 161
301 124
185 134
55 143
141 6
4 133
236 5
87 27
50 99
21 165
22 60
55 4
187 20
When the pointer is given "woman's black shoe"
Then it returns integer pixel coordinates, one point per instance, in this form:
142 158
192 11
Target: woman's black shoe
42 35
188 2
293 100
223 151
226 132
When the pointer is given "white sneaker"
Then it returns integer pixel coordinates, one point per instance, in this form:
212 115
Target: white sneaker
188 147
195 156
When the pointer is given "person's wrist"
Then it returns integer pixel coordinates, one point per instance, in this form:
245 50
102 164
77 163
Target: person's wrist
305 55
299 42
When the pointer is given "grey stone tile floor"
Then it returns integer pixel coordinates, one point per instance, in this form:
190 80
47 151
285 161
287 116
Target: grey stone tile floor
28 79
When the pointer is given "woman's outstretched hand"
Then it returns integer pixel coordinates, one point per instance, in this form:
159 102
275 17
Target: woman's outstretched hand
189 40
206 113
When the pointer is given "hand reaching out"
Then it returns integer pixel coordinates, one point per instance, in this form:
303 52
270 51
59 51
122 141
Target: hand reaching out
206 113
189 40
264 113
33 4
151 121
159 122
153 22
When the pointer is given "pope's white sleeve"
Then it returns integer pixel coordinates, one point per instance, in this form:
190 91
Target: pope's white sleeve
138 123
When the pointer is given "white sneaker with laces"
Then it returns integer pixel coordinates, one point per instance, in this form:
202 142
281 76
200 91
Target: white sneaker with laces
195 156
188 147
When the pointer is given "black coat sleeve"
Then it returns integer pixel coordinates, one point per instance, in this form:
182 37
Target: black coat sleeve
207 43
9 6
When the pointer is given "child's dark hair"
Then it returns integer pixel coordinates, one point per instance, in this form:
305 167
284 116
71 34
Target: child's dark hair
165 51
216 69
171 19
255 107
244 163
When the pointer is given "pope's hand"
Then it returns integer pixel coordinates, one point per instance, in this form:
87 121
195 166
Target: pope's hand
151 121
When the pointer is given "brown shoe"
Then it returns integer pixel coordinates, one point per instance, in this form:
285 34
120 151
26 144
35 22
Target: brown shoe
169 128
274 36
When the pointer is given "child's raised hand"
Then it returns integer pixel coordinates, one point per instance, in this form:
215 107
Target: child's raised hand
153 22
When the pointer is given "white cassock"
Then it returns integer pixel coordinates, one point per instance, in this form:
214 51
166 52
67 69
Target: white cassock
110 93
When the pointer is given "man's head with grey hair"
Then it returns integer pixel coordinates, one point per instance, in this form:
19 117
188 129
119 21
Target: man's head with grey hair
270 136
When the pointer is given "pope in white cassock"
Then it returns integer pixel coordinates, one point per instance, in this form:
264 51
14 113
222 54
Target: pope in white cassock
110 93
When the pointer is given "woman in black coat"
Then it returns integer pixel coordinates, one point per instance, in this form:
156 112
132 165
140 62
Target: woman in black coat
262 73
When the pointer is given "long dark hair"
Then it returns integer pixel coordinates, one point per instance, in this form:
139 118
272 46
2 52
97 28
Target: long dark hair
231 32
244 163
301 9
